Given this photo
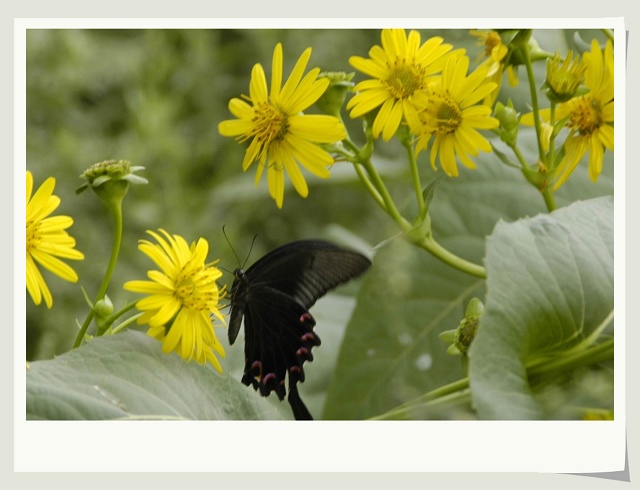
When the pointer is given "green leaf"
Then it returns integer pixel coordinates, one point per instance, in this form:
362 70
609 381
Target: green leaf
408 297
126 376
392 352
550 294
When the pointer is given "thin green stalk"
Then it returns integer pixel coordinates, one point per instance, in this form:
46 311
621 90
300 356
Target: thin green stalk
455 392
390 206
549 199
126 323
109 321
116 212
427 243
551 159
352 146
459 391
376 187
404 411
591 355
520 157
369 186
534 100
438 251
417 186
536 180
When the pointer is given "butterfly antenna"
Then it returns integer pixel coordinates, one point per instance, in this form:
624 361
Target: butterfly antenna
250 249
230 246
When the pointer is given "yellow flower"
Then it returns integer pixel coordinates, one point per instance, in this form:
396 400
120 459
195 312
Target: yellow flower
400 69
281 135
495 52
449 111
591 116
182 298
47 240
564 77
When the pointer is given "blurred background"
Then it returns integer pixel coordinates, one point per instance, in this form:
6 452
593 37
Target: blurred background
155 98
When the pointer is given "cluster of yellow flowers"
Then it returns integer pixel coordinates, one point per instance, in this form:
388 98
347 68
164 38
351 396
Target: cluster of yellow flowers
182 297
588 116
425 87
422 88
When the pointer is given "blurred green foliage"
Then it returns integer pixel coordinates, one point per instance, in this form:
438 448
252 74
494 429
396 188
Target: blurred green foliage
155 98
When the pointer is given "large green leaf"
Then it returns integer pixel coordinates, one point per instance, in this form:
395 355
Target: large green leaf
391 352
550 292
128 377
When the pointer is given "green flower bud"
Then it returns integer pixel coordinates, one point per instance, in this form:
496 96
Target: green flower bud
523 40
465 333
332 100
110 179
103 308
509 121
462 337
448 336
475 309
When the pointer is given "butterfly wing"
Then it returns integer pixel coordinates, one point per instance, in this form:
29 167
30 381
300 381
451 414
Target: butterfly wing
278 339
307 269
274 296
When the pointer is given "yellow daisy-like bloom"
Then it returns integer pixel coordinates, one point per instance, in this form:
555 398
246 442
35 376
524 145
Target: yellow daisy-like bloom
495 53
281 135
401 68
182 298
47 241
450 113
591 116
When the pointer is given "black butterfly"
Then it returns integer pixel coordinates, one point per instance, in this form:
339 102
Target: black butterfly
274 296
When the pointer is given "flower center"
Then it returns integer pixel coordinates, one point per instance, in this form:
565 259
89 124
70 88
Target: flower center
269 124
441 115
195 289
404 79
586 115
34 236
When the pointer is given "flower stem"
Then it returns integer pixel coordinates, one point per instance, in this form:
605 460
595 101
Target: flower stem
109 321
438 251
520 157
126 323
389 204
369 186
534 100
459 392
426 242
592 355
453 393
549 199
116 212
417 186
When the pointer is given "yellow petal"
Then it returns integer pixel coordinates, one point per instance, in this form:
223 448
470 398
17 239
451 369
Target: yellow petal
54 265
